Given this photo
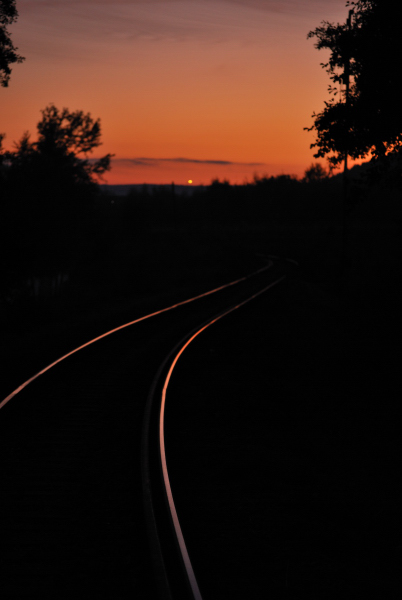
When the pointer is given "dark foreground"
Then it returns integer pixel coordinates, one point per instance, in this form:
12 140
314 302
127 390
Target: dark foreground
289 414
283 450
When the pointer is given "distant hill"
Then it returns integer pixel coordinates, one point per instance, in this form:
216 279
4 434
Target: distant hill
355 171
124 189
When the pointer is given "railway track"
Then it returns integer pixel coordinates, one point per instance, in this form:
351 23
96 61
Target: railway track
74 486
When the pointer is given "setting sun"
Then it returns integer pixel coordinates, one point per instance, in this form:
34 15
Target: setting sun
221 100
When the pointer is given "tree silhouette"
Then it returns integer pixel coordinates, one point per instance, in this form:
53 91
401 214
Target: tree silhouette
8 53
315 172
50 186
366 120
58 161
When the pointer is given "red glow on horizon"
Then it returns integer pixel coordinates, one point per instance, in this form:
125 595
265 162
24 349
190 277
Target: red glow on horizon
210 81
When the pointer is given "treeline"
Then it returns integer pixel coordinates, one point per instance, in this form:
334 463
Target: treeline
283 197
60 232
57 226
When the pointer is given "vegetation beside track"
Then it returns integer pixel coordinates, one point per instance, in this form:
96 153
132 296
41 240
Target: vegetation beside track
148 248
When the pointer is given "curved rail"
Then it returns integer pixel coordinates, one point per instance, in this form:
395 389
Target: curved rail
179 349
150 510
158 312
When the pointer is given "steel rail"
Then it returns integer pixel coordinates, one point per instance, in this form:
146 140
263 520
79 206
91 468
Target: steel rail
158 312
156 542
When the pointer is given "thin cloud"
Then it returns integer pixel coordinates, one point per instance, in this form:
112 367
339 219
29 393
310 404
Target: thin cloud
122 20
155 162
289 6
269 5
127 20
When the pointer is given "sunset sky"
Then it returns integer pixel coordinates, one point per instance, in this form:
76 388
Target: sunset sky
188 89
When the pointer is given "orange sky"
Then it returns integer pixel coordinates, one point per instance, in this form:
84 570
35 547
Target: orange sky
225 86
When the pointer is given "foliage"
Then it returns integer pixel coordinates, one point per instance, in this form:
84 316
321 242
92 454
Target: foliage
57 162
49 187
315 172
369 121
2 153
8 53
